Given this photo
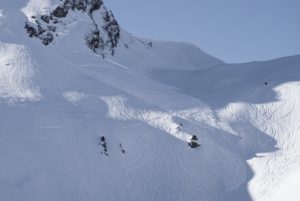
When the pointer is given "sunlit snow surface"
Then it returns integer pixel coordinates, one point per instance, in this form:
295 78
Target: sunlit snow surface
56 103
16 74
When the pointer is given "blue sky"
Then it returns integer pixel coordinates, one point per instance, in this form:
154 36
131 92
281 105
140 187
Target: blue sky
232 30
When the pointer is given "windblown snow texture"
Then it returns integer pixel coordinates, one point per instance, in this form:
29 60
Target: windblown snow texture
91 112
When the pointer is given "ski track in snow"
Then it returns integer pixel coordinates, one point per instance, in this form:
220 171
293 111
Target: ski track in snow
282 123
202 118
117 64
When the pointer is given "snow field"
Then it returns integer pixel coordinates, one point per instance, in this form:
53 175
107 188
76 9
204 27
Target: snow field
17 72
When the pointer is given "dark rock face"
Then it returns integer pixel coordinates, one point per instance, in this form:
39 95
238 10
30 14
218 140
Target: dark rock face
60 12
45 35
48 38
95 5
94 41
103 36
45 18
32 32
194 138
113 30
103 144
122 149
194 142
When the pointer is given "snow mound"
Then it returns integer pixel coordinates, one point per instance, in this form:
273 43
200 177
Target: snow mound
16 74
74 96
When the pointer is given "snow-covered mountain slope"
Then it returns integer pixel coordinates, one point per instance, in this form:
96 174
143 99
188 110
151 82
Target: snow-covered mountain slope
115 121
258 102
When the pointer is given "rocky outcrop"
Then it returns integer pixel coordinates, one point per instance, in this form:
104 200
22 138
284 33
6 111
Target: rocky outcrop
112 28
102 37
194 142
46 35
